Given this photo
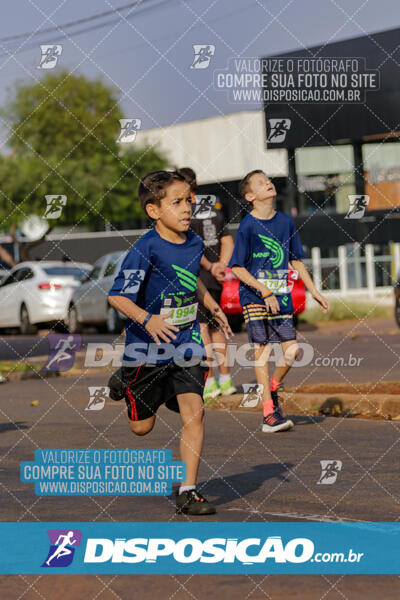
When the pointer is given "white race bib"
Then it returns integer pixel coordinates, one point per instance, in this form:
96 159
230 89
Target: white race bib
183 309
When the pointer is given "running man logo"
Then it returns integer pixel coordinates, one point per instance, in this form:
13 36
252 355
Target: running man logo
357 206
62 351
278 129
133 279
202 56
129 129
50 56
203 208
329 471
275 248
62 547
54 207
186 278
97 397
252 395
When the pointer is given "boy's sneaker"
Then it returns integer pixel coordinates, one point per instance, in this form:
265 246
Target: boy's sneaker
193 503
277 406
276 422
211 391
227 388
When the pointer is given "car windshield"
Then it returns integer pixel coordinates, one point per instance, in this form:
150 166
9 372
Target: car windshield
74 272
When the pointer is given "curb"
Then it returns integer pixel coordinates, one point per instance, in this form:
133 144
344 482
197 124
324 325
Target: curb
294 403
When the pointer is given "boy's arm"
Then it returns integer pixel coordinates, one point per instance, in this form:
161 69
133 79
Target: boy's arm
227 246
216 269
304 275
218 314
155 325
269 299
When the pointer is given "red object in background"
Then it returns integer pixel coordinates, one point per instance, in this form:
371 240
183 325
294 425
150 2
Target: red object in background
230 294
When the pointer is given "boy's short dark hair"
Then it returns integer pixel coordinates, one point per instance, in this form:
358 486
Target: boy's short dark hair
244 185
152 188
190 177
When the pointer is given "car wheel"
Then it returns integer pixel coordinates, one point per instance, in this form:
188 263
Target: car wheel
26 326
397 308
114 323
235 322
73 323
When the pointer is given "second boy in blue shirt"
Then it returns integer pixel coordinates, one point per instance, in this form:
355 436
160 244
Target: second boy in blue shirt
265 244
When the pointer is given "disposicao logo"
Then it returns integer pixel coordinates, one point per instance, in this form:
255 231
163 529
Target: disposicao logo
190 550
62 547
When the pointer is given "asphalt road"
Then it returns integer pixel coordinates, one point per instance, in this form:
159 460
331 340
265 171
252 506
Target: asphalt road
250 476
347 352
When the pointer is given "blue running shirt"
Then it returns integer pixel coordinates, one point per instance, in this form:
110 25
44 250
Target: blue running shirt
160 276
265 247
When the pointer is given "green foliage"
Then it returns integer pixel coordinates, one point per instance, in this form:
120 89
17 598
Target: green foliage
340 311
63 131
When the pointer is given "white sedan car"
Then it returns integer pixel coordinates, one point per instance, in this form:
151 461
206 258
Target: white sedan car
38 292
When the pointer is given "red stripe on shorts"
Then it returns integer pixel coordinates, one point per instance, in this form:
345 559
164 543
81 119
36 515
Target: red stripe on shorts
134 416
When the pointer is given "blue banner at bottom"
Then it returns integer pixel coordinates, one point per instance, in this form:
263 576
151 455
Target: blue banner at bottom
199 548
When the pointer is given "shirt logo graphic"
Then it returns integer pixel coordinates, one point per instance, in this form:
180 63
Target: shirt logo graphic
186 278
133 279
275 249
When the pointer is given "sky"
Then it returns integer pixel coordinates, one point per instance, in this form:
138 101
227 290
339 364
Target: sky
146 52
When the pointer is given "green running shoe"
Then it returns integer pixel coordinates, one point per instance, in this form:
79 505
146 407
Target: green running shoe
211 391
227 388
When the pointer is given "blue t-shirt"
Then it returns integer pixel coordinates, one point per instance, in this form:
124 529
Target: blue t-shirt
160 276
265 247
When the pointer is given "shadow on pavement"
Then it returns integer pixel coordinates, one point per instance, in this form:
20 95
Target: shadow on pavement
4 427
239 485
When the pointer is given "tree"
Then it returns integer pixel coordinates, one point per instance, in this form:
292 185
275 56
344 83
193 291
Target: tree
63 131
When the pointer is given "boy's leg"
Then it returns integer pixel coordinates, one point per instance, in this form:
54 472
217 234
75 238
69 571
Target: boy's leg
261 355
272 421
189 501
290 352
140 427
221 347
211 389
191 444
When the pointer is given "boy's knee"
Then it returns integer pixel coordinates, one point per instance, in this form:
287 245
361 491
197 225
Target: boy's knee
140 427
291 353
194 417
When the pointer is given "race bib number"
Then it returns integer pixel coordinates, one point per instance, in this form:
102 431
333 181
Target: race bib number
183 308
277 283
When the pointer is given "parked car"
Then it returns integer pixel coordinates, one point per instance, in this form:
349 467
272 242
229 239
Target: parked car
230 303
38 292
89 303
397 302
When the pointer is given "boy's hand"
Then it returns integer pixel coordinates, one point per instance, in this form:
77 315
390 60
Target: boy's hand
219 315
218 271
322 301
272 304
158 328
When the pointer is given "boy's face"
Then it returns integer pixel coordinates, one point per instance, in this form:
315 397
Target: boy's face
175 208
261 188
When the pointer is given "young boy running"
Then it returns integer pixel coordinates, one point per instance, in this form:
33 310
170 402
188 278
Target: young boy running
210 225
265 243
158 289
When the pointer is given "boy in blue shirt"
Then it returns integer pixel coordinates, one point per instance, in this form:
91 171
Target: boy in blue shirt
265 243
158 289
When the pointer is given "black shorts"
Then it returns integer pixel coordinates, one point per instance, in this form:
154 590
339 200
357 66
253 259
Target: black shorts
204 314
265 328
145 388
